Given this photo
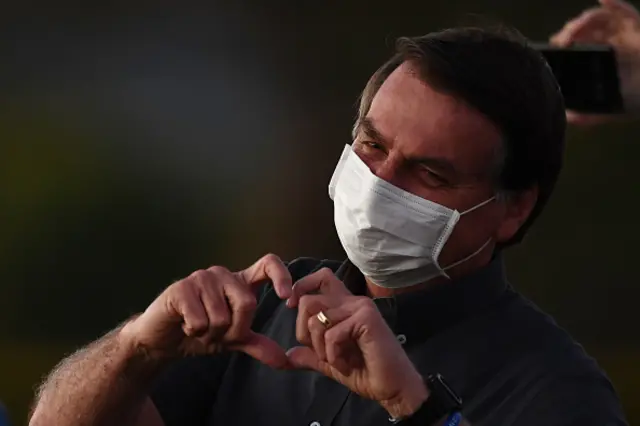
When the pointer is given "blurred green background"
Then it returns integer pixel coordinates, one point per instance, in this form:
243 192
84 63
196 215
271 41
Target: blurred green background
141 142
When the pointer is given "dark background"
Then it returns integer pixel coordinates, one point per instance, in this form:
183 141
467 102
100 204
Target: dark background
139 142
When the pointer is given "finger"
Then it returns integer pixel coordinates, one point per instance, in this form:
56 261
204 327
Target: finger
350 322
576 29
263 349
186 302
619 5
304 358
316 331
309 307
217 309
208 289
341 346
269 267
579 25
587 120
597 29
344 352
243 306
323 281
336 367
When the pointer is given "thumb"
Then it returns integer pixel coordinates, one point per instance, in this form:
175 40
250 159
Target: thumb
264 350
305 358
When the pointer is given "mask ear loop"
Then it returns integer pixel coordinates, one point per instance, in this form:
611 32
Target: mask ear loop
475 253
458 262
477 206
443 240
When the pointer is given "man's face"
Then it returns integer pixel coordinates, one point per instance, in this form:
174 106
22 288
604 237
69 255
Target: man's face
438 148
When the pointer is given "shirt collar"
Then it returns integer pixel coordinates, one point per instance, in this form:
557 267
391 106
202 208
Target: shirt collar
420 314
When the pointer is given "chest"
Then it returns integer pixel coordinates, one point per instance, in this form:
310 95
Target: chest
493 383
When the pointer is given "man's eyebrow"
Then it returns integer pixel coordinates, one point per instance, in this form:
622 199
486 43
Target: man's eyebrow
368 127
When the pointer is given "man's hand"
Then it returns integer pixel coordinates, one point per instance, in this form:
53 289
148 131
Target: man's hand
210 311
617 24
357 348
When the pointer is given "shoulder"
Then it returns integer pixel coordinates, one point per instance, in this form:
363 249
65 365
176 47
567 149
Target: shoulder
575 398
565 385
533 334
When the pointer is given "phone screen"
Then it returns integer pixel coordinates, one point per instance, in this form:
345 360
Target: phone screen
588 77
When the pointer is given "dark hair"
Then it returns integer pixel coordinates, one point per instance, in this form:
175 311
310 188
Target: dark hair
501 76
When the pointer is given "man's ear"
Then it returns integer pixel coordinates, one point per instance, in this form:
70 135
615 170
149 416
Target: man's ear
518 207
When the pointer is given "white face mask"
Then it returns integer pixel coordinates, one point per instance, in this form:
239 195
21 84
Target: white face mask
392 236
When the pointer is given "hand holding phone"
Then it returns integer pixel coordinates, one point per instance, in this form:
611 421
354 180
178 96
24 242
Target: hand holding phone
588 77
602 36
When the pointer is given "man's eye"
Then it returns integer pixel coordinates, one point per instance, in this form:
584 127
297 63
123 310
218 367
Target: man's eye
372 145
434 178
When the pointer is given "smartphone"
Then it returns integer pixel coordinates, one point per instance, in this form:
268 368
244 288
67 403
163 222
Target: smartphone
587 75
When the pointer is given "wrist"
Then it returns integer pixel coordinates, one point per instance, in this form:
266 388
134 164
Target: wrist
409 401
141 364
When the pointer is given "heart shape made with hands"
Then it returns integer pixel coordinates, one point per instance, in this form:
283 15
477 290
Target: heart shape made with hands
345 338
310 295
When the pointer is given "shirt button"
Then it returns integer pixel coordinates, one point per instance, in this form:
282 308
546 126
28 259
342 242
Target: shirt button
315 424
401 338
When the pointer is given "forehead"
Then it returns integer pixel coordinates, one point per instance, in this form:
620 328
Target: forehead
419 121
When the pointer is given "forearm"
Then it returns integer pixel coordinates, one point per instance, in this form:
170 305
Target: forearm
103 384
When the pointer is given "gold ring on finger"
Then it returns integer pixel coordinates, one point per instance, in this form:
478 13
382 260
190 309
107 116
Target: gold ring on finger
324 320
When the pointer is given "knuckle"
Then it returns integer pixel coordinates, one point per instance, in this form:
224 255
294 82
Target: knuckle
330 338
304 302
313 324
366 305
178 288
196 326
325 272
271 258
197 278
199 323
310 303
198 275
218 270
220 322
174 287
246 305
299 287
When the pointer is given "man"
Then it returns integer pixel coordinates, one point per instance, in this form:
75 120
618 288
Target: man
457 148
